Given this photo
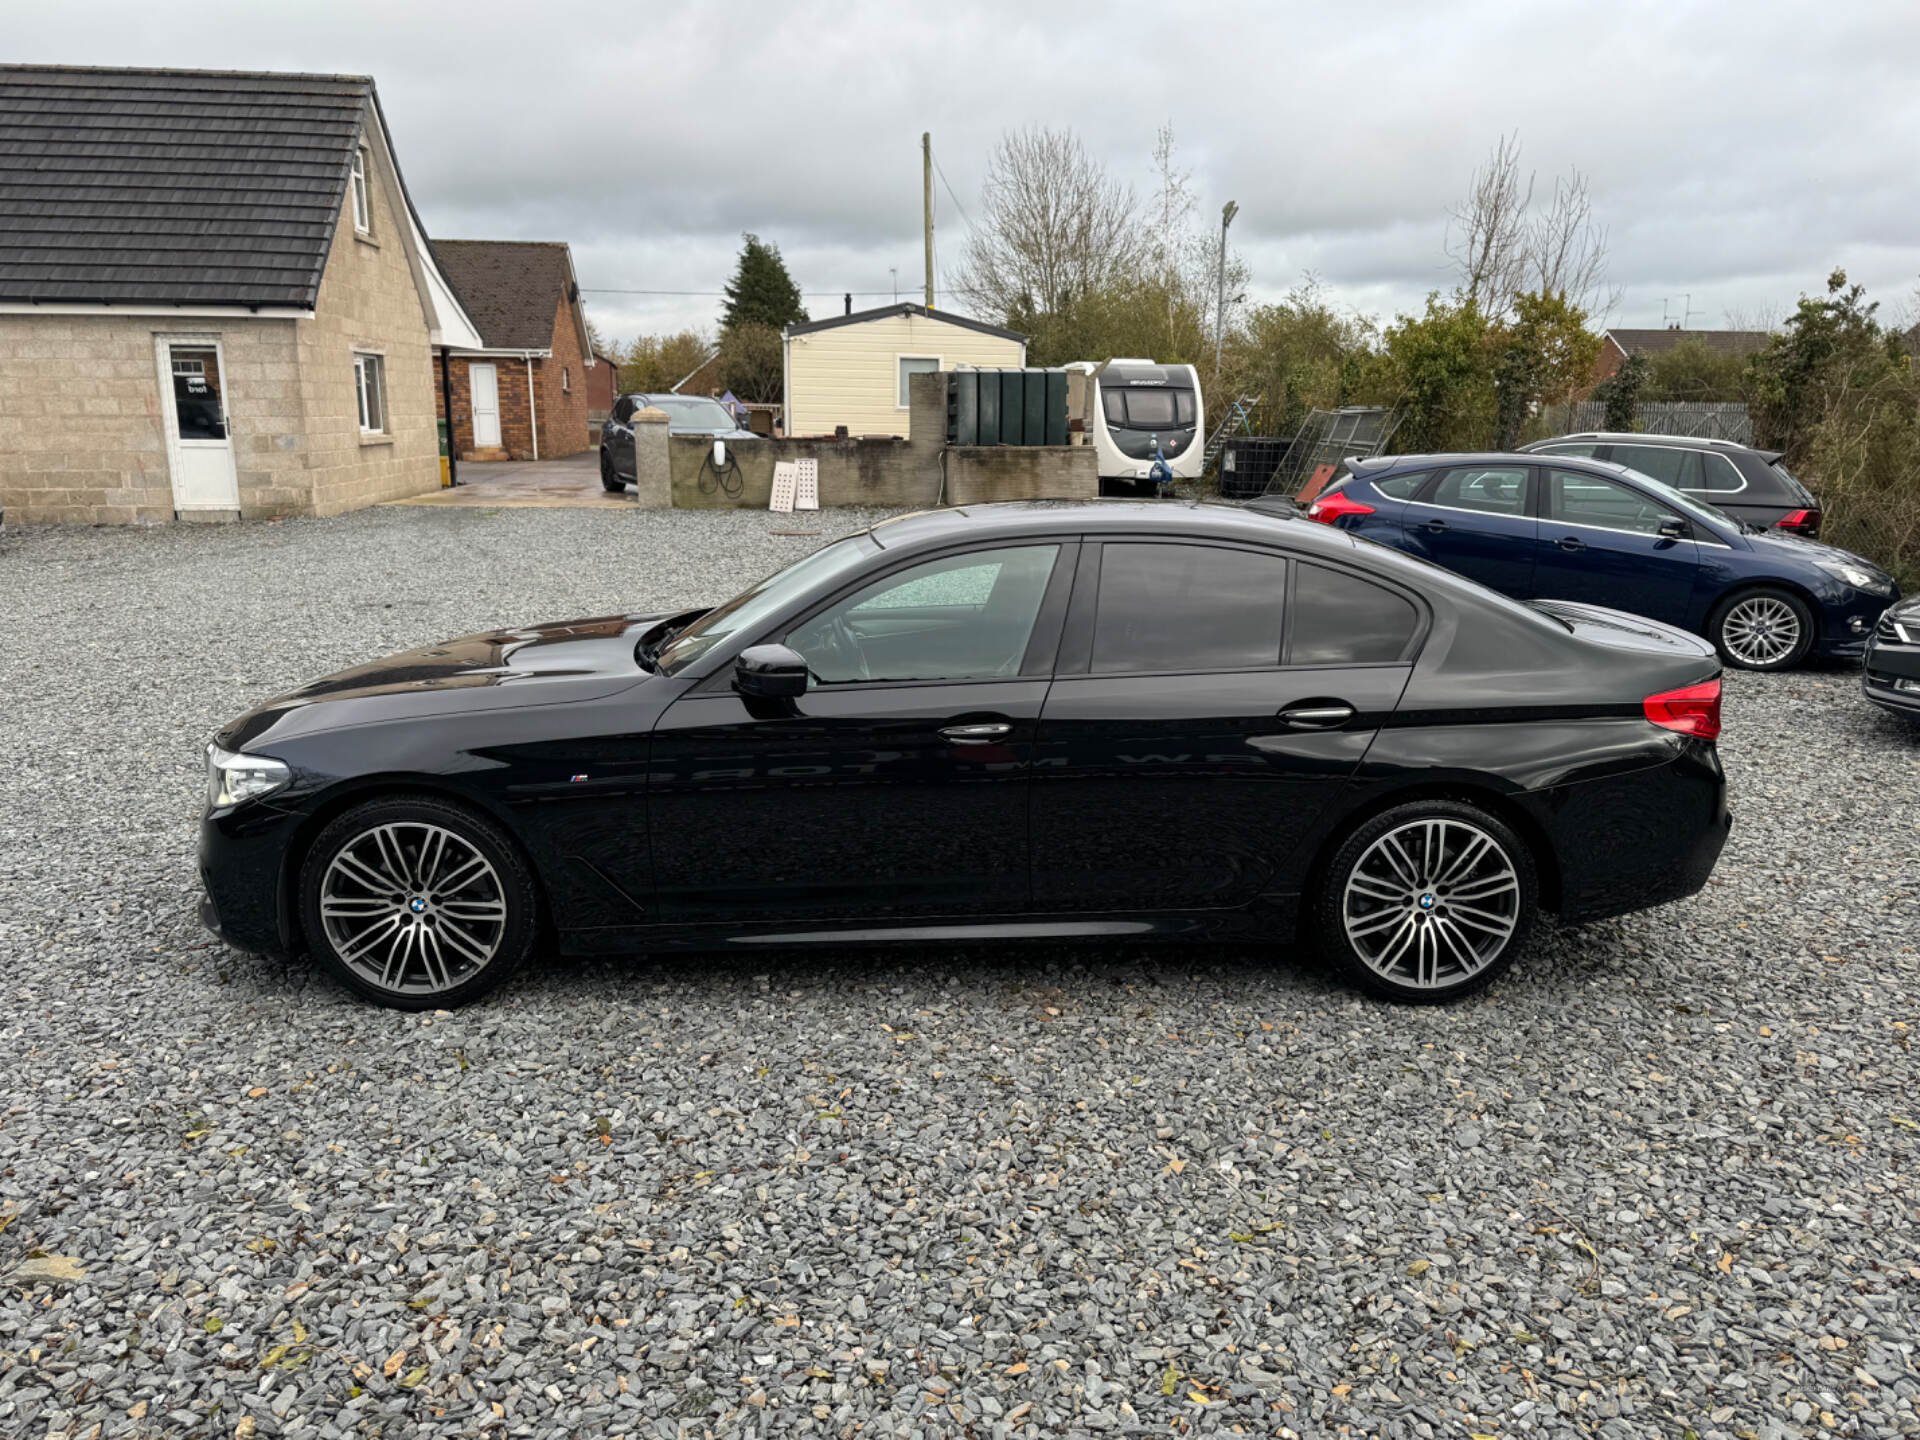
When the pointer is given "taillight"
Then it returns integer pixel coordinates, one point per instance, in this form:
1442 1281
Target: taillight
1692 710
1329 508
1801 522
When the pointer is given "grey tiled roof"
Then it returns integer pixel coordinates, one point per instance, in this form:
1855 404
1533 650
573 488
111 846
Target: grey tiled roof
172 186
511 288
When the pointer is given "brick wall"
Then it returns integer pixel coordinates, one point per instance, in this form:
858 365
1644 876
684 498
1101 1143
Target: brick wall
516 429
563 412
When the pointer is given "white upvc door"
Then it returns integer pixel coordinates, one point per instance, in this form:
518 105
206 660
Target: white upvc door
193 396
483 381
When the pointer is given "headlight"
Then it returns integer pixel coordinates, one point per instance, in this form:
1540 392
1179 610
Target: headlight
1857 576
232 778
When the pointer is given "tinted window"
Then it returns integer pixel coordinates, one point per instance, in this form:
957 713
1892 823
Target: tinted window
1187 607
623 410
1581 499
1801 493
1678 468
1585 448
1401 487
1340 619
961 617
1718 473
1494 491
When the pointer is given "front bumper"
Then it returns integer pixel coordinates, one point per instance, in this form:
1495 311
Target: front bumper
1846 623
1887 666
242 853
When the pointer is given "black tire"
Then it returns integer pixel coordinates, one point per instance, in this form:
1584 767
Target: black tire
1468 954
1756 644
609 478
444 945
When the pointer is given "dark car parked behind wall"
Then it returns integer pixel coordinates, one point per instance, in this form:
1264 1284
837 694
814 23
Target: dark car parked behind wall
1559 527
1747 484
1891 677
686 415
1004 722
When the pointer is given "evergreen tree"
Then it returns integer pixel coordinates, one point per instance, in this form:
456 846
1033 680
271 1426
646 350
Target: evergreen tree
761 291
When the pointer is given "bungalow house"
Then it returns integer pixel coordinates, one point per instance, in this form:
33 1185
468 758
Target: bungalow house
851 370
1617 345
524 392
216 298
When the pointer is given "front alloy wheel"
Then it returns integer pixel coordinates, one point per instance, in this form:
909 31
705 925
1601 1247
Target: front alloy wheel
1429 901
609 477
1763 630
417 904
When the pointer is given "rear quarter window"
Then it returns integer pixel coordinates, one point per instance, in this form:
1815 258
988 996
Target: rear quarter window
1340 619
1401 487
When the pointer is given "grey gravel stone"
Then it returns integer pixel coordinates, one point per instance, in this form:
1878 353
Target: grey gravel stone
1658 1181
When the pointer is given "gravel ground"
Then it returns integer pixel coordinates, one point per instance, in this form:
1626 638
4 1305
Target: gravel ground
1660 1181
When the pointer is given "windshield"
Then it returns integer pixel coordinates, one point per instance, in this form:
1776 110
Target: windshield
1680 500
1148 408
750 607
692 412
1804 495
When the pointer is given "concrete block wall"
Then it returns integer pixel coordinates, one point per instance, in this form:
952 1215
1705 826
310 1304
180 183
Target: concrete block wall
888 473
368 301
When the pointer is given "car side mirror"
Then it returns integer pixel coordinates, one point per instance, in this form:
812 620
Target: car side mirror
771 672
1675 529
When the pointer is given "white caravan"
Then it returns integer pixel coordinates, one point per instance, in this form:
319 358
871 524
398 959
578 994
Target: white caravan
1136 406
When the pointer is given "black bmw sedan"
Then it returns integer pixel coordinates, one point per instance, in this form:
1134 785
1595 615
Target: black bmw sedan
1111 719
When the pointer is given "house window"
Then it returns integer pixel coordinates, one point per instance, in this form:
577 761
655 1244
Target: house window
370 389
362 207
566 381
914 365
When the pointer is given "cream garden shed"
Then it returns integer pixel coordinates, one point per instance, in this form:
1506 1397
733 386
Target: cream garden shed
852 370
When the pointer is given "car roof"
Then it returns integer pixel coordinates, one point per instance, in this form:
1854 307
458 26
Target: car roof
1631 437
1209 518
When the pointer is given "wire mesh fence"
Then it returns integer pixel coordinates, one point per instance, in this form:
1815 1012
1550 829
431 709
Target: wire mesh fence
1247 463
1325 438
1695 419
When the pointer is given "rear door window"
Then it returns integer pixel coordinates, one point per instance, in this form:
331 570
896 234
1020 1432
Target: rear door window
1172 607
1678 468
1340 619
1499 490
1718 475
1401 487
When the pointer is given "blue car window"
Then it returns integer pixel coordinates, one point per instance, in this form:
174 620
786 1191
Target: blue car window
1401 487
1577 498
1496 491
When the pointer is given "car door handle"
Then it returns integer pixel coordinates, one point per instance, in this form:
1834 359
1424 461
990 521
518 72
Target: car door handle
1436 527
1571 543
1317 717
976 734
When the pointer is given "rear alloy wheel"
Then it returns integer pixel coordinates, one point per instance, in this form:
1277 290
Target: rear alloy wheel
1428 902
1762 629
417 903
609 478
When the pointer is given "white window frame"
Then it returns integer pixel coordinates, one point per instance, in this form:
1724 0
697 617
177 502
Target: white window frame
566 381
371 363
902 400
362 197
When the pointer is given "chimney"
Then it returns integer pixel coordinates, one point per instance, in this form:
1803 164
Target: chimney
849 304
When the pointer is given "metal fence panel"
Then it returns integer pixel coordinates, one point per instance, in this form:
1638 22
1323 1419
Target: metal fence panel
1696 419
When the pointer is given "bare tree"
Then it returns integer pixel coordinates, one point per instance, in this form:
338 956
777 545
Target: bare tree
1567 248
1487 236
1500 245
1054 227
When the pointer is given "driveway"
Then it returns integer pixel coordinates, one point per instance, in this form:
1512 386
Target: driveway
570 483
1659 1181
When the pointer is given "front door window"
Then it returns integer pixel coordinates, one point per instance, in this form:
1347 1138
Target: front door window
199 401
961 617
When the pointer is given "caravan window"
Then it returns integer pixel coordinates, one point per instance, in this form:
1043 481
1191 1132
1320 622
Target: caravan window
1148 409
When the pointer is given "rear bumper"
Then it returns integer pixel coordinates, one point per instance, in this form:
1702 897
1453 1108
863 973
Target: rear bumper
1633 841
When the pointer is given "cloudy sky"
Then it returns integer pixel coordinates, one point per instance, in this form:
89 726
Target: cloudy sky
1737 151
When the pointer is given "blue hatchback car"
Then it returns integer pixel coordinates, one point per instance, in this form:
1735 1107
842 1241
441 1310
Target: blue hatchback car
1564 528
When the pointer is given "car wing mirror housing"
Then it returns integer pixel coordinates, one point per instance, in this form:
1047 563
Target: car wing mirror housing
770 672
1675 529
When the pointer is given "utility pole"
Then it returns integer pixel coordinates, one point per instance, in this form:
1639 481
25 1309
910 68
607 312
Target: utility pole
926 204
1227 212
